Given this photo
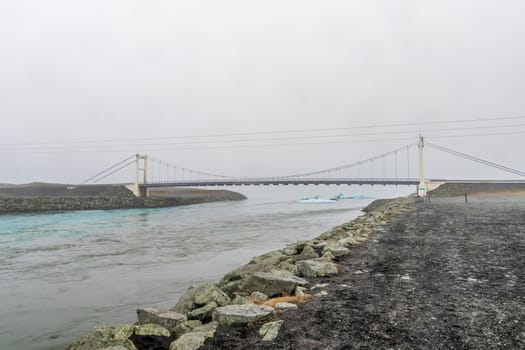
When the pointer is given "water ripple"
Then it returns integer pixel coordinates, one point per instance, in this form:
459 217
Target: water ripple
62 273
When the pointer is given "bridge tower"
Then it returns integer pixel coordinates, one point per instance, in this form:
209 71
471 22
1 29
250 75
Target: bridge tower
138 191
421 188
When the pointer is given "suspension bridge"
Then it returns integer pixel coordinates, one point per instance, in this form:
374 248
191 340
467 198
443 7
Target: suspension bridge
371 171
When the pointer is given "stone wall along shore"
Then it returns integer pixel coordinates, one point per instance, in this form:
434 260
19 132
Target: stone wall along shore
52 197
39 204
254 294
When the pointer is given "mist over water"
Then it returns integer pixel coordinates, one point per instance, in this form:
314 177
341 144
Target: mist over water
63 273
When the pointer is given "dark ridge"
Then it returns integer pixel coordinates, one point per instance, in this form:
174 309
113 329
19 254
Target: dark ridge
37 197
460 189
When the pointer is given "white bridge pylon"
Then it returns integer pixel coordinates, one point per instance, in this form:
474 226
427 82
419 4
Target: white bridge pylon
139 190
421 188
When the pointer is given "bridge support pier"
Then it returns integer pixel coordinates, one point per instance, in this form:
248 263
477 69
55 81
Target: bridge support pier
140 191
421 188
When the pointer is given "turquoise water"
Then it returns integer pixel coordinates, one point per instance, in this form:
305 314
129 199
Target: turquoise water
63 273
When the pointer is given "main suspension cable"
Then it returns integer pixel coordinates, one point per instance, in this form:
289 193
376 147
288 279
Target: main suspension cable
476 159
105 170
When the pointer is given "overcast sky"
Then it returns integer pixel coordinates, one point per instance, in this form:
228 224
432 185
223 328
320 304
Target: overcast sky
109 70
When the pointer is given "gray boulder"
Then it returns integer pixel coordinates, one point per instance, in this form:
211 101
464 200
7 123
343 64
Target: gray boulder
167 319
102 337
121 331
327 256
185 327
295 248
185 303
199 296
290 250
259 296
340 252
288 265
188 341
348 242
285 305
269 259
151 329
273 283
210 294
319 244
194 339
340 249
308 252
208 328
239 300
269 331
315 268
233 281
232 287
299 291
232 314
361 237
203 313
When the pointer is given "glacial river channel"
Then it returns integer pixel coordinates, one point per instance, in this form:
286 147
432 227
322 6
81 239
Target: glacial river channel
63 273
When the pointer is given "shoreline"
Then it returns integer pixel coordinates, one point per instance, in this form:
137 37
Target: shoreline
33 198
443 275
198 313
321 292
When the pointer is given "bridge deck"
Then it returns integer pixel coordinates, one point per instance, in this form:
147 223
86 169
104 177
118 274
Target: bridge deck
277 182
316 182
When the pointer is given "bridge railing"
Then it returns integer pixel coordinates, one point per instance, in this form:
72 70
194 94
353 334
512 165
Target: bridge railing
283 181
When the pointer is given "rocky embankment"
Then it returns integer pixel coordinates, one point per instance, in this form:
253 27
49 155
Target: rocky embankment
256 295
460 189
56 197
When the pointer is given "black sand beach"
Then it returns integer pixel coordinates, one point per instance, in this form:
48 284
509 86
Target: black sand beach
448 275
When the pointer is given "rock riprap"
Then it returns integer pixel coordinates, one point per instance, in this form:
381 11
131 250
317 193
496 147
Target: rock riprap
239 300
151 329
273 283
203 313
269 331
285 305
259 296
308 252
337 251
234 281
233 314
60 197
185 327
196 338
315 268
237 297
199 296
103 337
167 319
